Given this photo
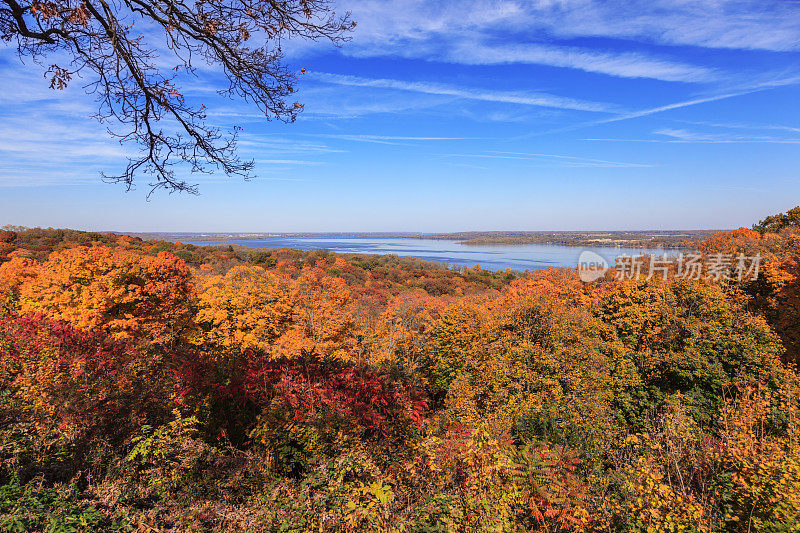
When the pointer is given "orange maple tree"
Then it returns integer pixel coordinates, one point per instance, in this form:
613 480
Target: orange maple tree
322 322
125 293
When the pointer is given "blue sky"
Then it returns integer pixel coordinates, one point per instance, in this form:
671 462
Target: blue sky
462 115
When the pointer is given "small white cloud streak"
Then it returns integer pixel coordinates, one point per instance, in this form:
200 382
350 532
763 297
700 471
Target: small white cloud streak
699 141
395 138
331 102
677 105
288 162
584 159
390 139
530 99
691 136
763 86
560 160
467 165
272 145
261 178
740 126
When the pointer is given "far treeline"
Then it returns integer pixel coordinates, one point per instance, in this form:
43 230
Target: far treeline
636 239
162 386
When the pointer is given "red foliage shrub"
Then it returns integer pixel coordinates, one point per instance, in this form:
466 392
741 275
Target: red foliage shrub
369 398
231 395
75 378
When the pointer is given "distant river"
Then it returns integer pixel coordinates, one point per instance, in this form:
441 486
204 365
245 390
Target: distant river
490 257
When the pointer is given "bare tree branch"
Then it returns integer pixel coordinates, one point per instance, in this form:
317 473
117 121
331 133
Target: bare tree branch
142 104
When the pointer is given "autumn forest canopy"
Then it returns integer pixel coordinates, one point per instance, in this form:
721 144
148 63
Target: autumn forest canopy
147 385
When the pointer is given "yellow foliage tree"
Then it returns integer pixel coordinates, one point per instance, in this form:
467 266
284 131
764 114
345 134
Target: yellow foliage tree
403 328
247 308
762 468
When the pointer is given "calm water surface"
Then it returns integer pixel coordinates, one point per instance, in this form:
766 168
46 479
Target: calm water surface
490 257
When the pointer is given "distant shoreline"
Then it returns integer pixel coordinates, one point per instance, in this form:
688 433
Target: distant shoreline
675 239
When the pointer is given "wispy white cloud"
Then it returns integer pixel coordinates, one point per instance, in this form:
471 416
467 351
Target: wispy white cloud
288 162
271 145
521 98
743 126
681 136
468 165
552 159
738 24
394 138
620 64
676 105
741 91
325 101
544 32
54 141
423 27
282 179
47 140
574 158
389 139
693 136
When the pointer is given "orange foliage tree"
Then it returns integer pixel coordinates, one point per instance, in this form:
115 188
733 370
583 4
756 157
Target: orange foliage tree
13 273
125 293
784 302
322 324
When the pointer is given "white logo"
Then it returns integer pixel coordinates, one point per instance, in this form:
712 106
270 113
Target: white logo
591 266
